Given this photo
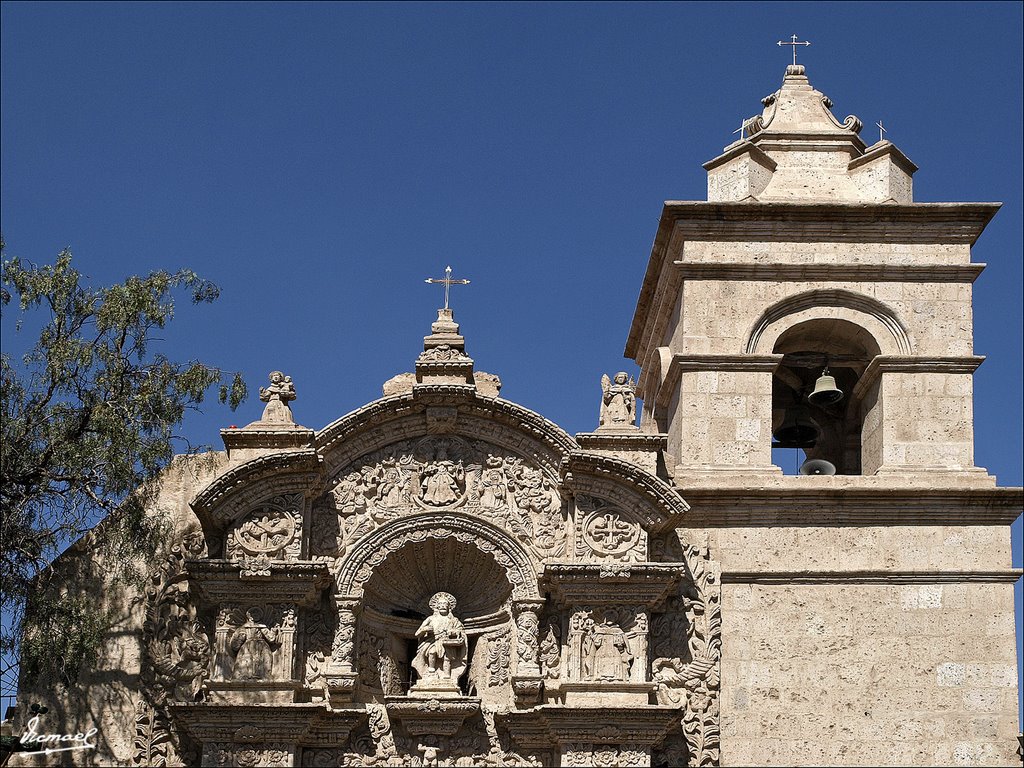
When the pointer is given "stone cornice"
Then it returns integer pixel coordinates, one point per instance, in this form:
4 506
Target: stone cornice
883 149
830 222
852 273
823 504
681 364
635 441
223 581
394 407
641 726
996 576
737 150
288 723
606 583
666 500
881 364
793 222
249 472
257 437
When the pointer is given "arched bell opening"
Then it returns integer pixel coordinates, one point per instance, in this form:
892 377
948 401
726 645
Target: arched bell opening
816 424
396 601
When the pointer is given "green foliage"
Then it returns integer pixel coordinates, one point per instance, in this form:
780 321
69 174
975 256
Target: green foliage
88 421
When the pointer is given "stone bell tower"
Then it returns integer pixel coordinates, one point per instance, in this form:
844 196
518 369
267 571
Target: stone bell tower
808 254
809 303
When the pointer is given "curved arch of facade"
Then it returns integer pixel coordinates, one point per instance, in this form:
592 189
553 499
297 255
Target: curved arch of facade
462 413
237 489
375 547
875 317
654 503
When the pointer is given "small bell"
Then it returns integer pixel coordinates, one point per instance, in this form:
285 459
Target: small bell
825 390
797 430
817 467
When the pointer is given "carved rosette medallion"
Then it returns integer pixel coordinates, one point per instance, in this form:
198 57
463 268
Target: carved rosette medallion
604 532
271 531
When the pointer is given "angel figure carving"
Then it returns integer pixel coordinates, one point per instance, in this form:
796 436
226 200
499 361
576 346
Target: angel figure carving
618 403
277 396
441 655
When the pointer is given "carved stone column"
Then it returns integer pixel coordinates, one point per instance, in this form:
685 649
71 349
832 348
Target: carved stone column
527 637
528 678
341 673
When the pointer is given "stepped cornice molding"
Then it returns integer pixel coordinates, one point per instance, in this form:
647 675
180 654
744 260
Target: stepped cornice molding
846 273
668 506
879 504
873 576
247 476
928 223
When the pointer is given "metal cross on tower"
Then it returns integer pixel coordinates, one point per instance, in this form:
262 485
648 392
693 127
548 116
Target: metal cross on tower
794 43
881 131
447 282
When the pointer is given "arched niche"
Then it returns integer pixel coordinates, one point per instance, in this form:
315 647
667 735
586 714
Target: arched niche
370 552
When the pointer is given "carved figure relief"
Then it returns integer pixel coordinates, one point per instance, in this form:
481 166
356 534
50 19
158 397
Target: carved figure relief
606 653
440 472
277 396
255 643
607 644
551 650
604 532
272 531
441 654
618 401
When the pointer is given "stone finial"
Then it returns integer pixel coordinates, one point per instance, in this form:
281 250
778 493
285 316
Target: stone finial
618 402
277 396
444 359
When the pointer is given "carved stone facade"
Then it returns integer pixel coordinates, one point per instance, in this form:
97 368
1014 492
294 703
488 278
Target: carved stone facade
444 578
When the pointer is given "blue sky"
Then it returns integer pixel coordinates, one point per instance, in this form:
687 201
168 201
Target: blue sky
318 161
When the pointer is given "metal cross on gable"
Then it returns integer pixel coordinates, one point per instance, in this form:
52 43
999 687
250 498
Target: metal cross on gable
881 131
447 281
793 42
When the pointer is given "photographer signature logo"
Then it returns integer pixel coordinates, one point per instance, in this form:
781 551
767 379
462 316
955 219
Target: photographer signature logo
35 743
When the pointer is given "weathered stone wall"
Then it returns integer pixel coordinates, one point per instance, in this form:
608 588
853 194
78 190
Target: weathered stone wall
107 691
868 674
867 645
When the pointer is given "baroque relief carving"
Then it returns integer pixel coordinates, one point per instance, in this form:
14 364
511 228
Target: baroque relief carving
691 678
604 532
255 643
176 657
271 531
441 472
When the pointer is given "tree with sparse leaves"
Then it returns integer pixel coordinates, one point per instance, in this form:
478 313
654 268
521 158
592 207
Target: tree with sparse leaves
87 423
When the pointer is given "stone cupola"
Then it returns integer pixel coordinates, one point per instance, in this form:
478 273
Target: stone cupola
796 149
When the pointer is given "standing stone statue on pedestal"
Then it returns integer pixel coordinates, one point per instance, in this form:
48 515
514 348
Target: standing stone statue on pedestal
618 402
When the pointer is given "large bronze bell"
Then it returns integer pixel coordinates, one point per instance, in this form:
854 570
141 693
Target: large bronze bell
796 430
825 391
